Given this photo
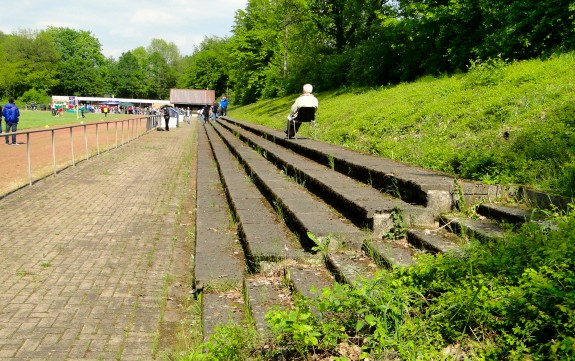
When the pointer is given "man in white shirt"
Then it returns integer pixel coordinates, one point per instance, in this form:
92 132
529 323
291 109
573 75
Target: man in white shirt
307 99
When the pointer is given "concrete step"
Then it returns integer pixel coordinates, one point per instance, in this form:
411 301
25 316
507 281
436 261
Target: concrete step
519 214
391 253
303 212
509 214
309 281
218 260
263 236
434 240
262 295
220 309
364 205
304 278
484 230
350 267
436 191
542 200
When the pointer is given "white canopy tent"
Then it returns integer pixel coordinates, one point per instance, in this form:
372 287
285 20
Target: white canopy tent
149 102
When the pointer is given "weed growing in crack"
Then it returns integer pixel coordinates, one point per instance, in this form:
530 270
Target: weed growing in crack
331 161
399 227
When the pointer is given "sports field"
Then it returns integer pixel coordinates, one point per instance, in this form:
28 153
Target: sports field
32 119
54 144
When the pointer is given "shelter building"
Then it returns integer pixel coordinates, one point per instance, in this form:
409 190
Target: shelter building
110 101
194 98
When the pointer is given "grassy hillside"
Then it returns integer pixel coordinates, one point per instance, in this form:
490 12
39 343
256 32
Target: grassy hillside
508 300
499 123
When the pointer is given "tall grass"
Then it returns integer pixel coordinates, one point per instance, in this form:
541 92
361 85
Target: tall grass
511 300
508 300
499 123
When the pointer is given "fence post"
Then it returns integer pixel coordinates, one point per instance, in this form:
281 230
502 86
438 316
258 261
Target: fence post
29 159
72 147
97 140
86 142
54 152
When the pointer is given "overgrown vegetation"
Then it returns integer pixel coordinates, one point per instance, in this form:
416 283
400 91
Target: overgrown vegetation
278 45
509 300
499 123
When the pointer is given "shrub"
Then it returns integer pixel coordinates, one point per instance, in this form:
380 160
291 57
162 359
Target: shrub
506 300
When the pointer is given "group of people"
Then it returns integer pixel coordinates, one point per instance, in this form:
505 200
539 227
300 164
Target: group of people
305 100
204 113
32 106
11 115
215 110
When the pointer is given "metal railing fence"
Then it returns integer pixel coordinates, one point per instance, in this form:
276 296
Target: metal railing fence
123 131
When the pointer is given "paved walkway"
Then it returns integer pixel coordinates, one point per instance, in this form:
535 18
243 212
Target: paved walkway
84 256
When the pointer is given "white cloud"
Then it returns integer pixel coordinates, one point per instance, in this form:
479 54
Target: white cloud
123 25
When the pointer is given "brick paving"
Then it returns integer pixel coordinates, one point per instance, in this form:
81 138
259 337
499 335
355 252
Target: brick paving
84 256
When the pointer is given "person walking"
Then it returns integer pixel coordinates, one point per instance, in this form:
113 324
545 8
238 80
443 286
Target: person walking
213 110
167 118
224 105
207 109
11 115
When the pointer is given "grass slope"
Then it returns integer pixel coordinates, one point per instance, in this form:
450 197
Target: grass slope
499 123
508 300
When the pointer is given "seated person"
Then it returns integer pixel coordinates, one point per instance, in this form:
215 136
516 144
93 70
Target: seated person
305 100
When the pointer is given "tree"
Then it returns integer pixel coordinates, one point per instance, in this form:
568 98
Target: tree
207 67
162 64
256 49
159 77
345 22
81 60
168 51
523 29
30 61
128 76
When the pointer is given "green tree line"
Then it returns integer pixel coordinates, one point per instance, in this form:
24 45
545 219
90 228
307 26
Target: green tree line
35 64
277 45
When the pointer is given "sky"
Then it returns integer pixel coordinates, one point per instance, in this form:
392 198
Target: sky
123 25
